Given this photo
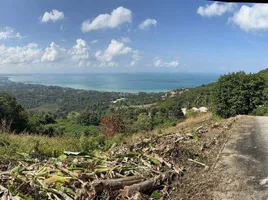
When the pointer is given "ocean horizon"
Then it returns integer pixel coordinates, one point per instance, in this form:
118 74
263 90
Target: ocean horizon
120 82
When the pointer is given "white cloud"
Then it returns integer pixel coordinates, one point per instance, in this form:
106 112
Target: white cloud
251 18
215 9
94 41
109 64
160 63
54 16
54 53
126 39
147 23
20 55
80 53
114 49
118 16
9 33
135 58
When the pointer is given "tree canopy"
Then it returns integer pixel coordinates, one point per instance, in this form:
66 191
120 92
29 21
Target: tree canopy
238 93
12 115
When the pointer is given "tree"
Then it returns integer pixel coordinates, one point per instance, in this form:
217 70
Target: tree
89 118
144 122
237 93
12 113
265 96
112 124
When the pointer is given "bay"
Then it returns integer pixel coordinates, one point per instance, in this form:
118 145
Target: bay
121 82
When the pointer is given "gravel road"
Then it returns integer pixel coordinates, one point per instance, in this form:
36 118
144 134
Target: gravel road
242 170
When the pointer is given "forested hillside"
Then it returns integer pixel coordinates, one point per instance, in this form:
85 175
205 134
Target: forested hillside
55 111
61 101
66 135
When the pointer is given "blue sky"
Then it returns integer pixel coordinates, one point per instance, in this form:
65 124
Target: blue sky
132 36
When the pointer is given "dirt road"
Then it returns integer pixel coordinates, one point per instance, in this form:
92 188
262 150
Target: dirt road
243 166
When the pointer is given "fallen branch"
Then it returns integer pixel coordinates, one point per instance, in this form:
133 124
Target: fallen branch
115 184
169 165
199 163
145 186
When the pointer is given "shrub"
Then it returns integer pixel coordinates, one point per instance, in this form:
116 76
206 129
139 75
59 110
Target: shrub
112 124
238 93
84 143
12 113
262 111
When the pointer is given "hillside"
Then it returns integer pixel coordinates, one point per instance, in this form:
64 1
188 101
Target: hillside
114 144
156 165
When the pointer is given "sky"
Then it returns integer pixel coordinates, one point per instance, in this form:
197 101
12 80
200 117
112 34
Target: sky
71 36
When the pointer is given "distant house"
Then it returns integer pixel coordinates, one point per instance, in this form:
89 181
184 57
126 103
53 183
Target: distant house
117 100
201 110
173 93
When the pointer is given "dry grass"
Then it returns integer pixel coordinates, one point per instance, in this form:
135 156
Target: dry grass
189 123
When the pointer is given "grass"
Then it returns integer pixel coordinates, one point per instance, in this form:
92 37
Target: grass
43 146
71 128
12 144
39 146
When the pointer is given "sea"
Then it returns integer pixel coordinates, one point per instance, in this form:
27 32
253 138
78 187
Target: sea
121 82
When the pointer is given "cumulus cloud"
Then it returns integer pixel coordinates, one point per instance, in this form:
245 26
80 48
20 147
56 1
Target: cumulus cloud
109 64
160 63
114 49
215 9
80 53
53 16
77 56
135 57
9 33
147 23
118 16
94 41
20 55
54 53
251 18
126 39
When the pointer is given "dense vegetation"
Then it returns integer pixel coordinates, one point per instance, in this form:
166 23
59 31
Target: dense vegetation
61 101
195 97
60 111
12 115
56 111
240 93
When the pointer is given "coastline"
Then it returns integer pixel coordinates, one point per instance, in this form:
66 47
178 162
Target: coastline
122 83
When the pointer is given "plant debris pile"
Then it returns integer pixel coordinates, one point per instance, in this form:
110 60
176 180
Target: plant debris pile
146 170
